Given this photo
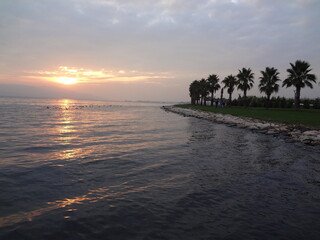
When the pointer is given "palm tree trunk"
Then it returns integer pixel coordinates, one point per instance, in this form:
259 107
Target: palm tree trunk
245 98
297 98
268 100
230 96
211 98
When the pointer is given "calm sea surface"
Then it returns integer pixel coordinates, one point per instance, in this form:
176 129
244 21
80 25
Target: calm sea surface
110 170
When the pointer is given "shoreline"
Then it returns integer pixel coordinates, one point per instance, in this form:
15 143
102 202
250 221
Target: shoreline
297 133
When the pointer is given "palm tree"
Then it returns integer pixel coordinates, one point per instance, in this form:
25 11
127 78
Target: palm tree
245 80
213 82
268 82
299 76
229 83
194 91
204 90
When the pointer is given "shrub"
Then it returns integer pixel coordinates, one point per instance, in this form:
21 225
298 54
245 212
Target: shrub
289 103
316 103
283 102
306 103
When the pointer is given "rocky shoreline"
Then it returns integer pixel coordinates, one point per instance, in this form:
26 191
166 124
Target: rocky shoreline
297 133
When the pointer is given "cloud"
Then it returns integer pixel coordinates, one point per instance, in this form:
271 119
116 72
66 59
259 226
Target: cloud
89 76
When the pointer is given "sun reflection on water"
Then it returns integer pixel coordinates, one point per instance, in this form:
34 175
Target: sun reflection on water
65 127
65 102
118 191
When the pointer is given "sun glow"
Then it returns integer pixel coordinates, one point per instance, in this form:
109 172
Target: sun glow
66 80
72 75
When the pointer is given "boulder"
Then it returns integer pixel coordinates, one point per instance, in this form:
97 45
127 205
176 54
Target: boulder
311 133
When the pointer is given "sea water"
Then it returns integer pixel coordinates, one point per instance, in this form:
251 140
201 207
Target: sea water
74 169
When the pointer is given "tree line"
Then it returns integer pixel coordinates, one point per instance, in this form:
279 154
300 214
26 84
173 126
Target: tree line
299 76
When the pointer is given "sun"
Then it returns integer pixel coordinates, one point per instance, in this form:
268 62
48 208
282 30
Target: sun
66 80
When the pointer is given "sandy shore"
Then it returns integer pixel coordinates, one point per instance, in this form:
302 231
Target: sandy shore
297 133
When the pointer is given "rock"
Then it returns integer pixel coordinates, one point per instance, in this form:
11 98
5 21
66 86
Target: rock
283 128
253 127
271 131
306 138
311 133
295 133
315 143
263 125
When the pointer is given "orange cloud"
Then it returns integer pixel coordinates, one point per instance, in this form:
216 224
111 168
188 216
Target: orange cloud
81 75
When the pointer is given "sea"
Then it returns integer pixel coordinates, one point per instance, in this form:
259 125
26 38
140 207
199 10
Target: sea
75 169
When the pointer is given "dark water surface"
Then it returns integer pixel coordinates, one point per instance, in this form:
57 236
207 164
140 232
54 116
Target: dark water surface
101 170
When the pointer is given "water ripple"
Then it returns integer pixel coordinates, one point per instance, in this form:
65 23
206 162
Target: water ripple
95 170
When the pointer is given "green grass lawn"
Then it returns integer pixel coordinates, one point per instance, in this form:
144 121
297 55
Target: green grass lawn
303 117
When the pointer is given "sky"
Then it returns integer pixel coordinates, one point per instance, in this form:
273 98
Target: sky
150 50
